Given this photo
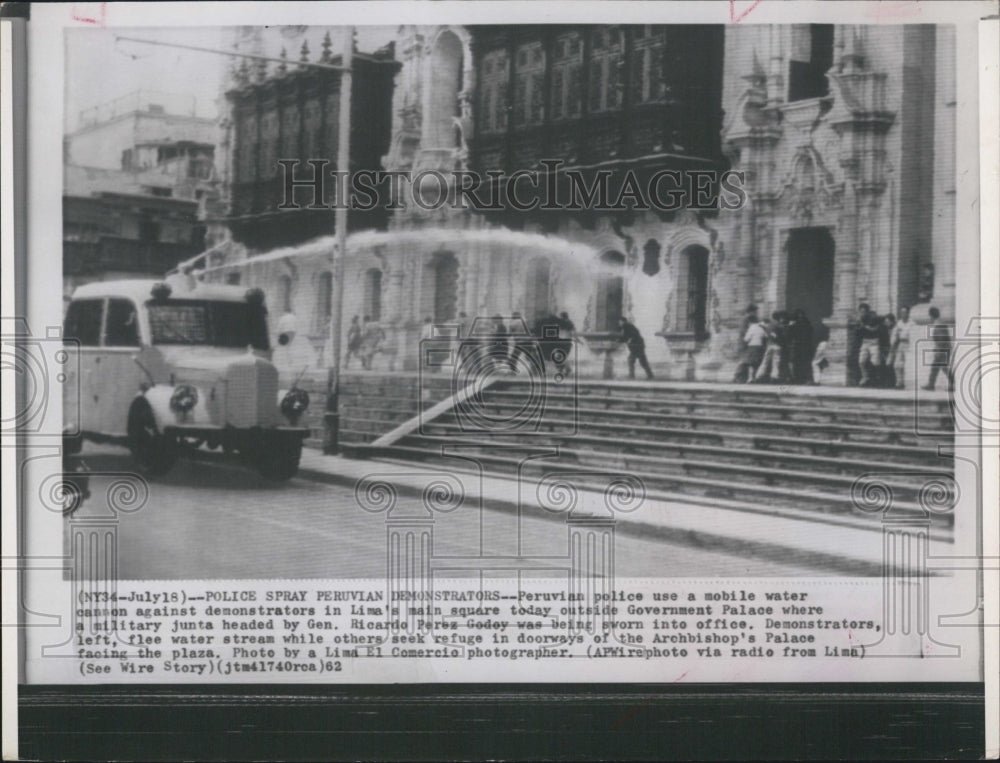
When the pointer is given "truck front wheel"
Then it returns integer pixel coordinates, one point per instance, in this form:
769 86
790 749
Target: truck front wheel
153 451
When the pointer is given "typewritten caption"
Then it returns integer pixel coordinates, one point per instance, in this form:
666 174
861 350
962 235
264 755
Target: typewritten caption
300 631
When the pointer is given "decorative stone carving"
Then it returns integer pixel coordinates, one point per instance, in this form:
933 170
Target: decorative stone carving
808 185
859 116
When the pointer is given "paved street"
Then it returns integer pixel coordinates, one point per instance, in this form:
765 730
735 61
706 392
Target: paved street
207 519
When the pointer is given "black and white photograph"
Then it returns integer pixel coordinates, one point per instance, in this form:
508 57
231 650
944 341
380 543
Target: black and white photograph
455 347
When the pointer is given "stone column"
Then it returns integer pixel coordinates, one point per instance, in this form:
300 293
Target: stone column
93 544
906 616
860 117
750 140
409 546
845 276
592 560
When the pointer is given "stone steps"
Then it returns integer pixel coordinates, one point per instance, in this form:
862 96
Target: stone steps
656 425
810 450
797 410
748 451
676 472
802 496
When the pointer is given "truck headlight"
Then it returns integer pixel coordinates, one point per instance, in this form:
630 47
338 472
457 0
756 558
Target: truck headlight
184 399
294 404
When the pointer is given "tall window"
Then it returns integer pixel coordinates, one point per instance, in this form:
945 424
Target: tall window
268 144
610 292
121 325
372 305
693 290
312 116
810 59
649 64
332 121
529 85
607 49
494 76
567 74
246 142
290 121
83 321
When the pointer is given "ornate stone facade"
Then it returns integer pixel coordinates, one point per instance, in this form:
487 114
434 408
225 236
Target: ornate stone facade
845 136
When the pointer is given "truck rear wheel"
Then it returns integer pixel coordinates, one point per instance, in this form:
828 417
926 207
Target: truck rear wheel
153 451
277 458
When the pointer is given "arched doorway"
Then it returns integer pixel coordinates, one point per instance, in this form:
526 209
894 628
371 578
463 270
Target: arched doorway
610 302
809 274
445 85
536 302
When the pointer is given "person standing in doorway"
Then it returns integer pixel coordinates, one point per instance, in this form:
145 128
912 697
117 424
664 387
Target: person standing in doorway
869 353
566 345
636 348
886 330
820 361
899 348
371 341
800 347
941 338
775 361
353 342
750 318
754 341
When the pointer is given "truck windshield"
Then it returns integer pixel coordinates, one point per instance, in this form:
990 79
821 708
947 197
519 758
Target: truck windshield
202 322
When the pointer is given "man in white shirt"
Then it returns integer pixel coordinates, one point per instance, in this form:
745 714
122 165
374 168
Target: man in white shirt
755 339
899 347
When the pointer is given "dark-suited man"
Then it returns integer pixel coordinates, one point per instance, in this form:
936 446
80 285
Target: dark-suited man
636 348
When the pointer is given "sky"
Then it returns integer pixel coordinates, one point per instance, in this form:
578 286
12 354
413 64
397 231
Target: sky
100 69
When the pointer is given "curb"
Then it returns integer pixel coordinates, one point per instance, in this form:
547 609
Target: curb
710 541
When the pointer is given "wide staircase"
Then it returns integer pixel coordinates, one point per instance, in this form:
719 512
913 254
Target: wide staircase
797 451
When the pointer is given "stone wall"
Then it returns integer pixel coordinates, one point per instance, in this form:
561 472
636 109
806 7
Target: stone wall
372 404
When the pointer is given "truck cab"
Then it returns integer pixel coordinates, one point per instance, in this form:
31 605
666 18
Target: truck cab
175 365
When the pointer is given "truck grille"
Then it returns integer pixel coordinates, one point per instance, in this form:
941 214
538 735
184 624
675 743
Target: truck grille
251 394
